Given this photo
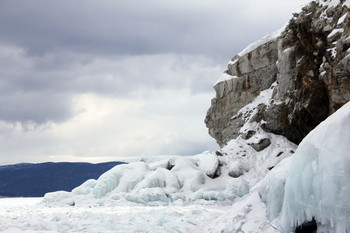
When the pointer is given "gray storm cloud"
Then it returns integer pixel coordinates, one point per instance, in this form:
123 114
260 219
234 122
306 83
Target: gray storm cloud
137 27
34 90
53 54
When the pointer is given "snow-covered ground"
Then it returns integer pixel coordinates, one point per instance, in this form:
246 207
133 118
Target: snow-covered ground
27 215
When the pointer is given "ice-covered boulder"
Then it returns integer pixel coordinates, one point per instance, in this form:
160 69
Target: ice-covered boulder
208 163
318 183
189 174
121 178
85 188
59 197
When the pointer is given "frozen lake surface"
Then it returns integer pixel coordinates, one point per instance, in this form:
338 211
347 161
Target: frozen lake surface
29 215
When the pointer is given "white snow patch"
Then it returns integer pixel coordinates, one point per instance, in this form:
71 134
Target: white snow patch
335 31
232 62
341 19
347 3
333 51
225 77
330 3
265 97
262 41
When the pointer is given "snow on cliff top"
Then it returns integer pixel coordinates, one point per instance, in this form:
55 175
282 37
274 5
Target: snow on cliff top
224 77
261 41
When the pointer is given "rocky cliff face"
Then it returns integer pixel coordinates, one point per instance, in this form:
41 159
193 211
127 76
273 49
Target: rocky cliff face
308 66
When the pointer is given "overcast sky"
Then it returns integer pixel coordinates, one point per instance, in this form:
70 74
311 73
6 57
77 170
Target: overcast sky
101 80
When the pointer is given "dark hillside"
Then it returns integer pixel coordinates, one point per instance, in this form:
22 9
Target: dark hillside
34 180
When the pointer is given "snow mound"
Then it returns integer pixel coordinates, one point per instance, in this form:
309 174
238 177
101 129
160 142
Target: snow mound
120 179
318 183
201 179
180 180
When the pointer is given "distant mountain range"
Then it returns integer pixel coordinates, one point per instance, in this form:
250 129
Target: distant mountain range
34 180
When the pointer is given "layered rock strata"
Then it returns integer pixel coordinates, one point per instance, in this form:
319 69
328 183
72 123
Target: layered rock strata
309 62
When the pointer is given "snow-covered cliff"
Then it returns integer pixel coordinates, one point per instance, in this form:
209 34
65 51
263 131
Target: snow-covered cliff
309 60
